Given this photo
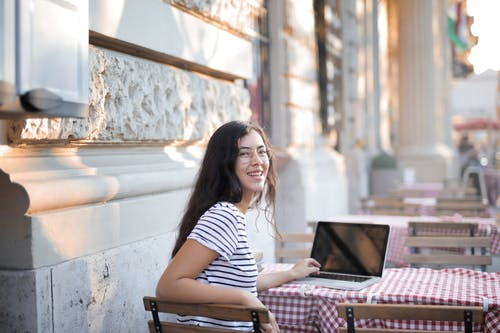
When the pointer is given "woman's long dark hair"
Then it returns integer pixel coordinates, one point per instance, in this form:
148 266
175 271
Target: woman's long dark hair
217 180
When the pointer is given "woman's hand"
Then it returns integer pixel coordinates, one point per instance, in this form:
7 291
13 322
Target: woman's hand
305 267
300 270
272 327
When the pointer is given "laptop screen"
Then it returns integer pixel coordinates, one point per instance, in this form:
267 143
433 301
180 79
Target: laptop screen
351 248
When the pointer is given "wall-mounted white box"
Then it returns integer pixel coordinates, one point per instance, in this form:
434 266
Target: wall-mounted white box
43 58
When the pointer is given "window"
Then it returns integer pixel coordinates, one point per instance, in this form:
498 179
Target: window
259 86
330 47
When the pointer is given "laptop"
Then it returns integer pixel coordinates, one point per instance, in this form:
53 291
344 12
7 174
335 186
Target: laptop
352 255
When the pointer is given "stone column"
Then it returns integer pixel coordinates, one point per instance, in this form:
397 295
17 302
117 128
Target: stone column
422 64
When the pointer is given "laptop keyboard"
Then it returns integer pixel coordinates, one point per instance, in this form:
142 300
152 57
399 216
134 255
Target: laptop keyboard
343 277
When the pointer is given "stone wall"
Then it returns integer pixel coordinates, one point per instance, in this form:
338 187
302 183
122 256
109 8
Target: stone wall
92 294
136 100
239 16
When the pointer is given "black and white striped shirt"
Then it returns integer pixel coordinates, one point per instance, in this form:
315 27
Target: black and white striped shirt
222 228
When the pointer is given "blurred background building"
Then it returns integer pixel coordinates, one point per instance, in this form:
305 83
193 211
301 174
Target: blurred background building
104 128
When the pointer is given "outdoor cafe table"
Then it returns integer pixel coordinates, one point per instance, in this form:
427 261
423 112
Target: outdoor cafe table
308 308
399 231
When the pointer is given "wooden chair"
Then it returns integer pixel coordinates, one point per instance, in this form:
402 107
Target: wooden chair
411 193
460 191
447 200
389 206
468 315
219 311
403 209
438 244
293 246
375 200
464 208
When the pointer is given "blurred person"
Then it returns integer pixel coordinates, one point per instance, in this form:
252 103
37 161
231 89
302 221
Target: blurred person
468 153
211 259
464 143
465 150
469 156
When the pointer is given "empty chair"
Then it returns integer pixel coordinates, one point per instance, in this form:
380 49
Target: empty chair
380 200
411 193
351 312
440 244
460 191
447 200
389 206
464 208
293 246
219 311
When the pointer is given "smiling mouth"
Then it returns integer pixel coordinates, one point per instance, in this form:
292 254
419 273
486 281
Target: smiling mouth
255 173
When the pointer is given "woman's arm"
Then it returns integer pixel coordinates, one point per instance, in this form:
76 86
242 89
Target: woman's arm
300 270
178 281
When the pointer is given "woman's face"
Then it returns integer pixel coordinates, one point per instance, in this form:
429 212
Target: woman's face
252 164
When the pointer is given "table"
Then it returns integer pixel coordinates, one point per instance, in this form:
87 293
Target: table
399 230
307 308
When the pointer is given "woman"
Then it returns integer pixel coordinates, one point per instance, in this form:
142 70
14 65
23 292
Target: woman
211 260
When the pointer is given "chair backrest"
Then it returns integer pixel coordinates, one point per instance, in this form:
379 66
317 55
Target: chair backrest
293 246
389 206
370 203
219 311
414 193
464 208
402 209
469 199
468 315
447 244
427 228
460 191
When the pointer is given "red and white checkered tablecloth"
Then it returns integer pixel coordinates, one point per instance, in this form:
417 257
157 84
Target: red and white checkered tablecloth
306 308
399 230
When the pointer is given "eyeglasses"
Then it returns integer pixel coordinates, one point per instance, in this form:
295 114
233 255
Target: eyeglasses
246 154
